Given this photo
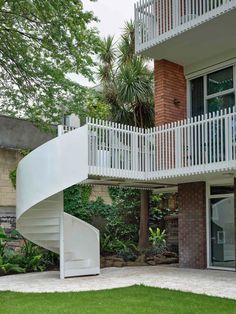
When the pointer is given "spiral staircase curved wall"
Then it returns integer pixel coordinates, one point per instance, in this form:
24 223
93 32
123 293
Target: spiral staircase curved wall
41 178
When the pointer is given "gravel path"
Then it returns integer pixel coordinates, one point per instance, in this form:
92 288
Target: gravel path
210 282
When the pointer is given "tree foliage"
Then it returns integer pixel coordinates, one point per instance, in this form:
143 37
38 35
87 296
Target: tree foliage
40 42
95 106
127 80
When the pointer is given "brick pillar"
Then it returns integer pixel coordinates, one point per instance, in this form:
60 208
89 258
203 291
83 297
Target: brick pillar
170 92
192 225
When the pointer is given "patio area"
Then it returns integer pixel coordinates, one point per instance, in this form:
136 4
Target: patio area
209 282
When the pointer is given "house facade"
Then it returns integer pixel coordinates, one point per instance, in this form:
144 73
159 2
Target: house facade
191 150
193 45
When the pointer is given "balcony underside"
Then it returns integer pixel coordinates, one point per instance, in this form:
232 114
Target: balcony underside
169 183
211 38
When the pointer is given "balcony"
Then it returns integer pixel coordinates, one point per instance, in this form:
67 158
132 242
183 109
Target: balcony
199 148
184 31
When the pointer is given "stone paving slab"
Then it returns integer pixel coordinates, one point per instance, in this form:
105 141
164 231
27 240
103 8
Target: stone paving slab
210 282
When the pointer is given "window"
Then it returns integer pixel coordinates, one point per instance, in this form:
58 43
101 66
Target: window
220 81
218 189
197 96
213 92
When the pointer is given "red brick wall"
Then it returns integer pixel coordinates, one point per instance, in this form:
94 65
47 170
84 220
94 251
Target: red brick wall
170 85
192 225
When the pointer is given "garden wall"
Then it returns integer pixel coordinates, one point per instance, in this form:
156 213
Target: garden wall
100 191
9 159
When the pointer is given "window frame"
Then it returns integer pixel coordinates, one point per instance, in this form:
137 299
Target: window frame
208 97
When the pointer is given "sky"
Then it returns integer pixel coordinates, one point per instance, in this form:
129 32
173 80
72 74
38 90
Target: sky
112 15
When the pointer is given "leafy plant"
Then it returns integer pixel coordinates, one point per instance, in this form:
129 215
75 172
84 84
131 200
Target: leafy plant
12 177
3 241
76 200
35 258
125 249
9 268
123 221
30 258
128 254
12 173
158 239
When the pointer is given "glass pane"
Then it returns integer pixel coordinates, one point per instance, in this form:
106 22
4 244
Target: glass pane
222 232
220 81
222 190
197 96
221 102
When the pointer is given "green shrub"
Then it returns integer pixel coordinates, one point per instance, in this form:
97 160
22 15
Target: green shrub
76 200
29 259
125 249
119 222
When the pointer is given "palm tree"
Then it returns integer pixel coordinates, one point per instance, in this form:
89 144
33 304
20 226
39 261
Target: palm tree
128 87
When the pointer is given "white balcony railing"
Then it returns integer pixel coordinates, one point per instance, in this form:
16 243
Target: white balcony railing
193 146
199 145
159 20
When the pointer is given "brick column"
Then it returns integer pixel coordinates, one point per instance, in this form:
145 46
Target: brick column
170 92
192 225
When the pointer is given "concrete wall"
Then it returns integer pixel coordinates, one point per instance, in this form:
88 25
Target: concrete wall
21 134
9 159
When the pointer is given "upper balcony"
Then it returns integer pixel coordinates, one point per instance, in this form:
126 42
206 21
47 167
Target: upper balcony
184 31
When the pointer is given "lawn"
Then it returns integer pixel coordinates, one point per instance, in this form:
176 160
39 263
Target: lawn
136 299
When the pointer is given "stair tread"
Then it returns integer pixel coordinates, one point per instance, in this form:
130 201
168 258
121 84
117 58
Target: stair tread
50 225
43 232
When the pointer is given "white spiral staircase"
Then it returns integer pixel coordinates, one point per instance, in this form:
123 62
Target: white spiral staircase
41 178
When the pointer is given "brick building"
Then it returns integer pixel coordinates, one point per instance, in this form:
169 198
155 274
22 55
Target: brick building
193 47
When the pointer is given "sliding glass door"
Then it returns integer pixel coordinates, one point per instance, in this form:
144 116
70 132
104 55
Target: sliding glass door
222 228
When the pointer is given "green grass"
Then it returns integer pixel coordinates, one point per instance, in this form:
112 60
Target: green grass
132 300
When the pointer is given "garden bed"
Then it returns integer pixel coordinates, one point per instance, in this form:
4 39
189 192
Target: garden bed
141 260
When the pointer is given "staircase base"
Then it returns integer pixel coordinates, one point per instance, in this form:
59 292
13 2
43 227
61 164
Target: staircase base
82 272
